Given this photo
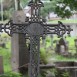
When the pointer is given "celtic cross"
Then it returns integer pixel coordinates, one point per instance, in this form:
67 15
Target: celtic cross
35 27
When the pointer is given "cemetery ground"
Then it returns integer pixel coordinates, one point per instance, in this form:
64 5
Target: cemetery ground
47 54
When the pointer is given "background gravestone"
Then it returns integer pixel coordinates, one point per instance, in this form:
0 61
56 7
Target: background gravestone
62 47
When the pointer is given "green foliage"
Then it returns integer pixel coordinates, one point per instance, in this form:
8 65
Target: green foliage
48 42
6 53
71 3
63 21
6 58
5 15
24 2
60 73
71 46
48 7
11 75
62 58
65 74
43 73
62 10
43 55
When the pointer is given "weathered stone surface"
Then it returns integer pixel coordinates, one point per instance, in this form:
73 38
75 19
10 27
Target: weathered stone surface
62 47
18 17
20 54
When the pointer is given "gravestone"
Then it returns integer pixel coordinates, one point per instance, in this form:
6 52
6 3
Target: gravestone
1 65
62 47
57 49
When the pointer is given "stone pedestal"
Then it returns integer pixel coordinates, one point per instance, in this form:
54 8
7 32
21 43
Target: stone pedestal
20 54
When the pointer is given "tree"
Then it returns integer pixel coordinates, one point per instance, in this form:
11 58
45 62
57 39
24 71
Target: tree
64 8
9 6
24 2
48 7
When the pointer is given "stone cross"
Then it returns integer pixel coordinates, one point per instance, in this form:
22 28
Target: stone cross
34 28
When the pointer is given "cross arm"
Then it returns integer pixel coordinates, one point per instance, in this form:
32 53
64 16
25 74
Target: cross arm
11 27
60 29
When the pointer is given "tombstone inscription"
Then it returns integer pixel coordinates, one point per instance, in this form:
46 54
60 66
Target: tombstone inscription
35 27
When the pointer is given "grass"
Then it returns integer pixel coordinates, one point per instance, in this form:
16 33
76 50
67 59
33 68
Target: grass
63 20
6 52
61 58
6 59
54 57
69 39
